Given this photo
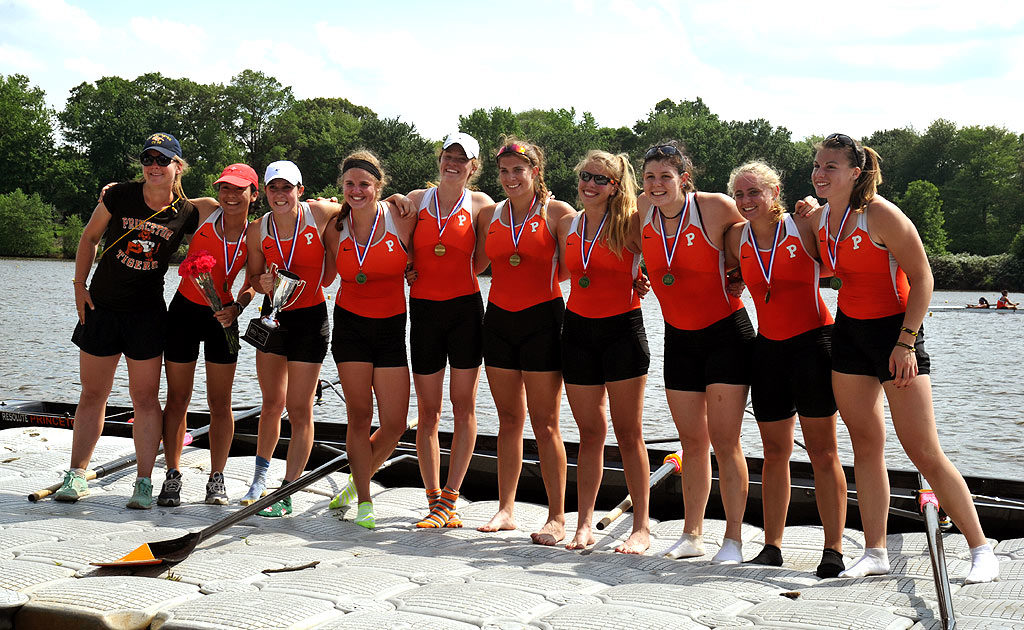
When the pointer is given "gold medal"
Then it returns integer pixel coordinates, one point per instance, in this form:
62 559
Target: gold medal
835 283
767 295
439 249
514 260
584 282
668 279
361 278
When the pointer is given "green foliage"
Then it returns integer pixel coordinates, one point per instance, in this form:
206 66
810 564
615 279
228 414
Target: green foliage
26 134
407 157
254 103
922 204
965 272
26 225
1017 246
70 234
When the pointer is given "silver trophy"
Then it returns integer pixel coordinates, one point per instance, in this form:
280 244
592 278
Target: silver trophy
260 332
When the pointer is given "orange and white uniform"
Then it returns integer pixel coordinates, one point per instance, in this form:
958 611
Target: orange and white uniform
795 305
307 261
223 275
697 297
610 291
383 293
449 275
535 279
873 284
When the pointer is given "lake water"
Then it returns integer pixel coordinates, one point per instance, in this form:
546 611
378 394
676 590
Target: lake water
977 388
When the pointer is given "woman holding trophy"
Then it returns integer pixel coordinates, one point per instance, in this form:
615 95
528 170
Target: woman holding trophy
368 245
286 263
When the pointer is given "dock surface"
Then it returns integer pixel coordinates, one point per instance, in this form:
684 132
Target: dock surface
317 569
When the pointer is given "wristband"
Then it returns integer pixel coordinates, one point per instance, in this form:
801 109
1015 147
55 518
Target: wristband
912 333
74 281
239 306
909 347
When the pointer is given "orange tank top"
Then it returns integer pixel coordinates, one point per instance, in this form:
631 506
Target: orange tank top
382 290
223 274
794 305
443 256
873 285
306 254
534 280
692 290
609 280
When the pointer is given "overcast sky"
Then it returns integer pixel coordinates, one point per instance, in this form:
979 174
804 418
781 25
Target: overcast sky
812 67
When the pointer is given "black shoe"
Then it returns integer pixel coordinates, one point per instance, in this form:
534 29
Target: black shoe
831 564
770 555
170 492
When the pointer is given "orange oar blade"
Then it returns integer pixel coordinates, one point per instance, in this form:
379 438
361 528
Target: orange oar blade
174 550
140 556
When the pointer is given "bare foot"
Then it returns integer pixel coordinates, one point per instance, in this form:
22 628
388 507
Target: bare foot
499 522
584 538
637 543
551 534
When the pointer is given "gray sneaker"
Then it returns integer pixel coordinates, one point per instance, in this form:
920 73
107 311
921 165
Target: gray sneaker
73 488
216 493
170 492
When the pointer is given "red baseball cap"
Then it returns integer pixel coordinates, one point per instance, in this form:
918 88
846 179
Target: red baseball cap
241 175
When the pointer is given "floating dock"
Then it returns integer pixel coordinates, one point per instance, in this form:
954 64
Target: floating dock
317 569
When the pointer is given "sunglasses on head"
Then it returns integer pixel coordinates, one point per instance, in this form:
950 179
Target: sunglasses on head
162 160
600 180
661 150
513 147
846 141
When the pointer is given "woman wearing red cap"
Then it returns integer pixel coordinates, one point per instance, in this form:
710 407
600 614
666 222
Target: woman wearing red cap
221 234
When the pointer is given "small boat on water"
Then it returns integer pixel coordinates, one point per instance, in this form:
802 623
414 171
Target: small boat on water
1000 502
951 308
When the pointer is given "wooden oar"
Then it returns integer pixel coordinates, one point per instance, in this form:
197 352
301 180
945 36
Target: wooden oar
178 549
673 463
930 508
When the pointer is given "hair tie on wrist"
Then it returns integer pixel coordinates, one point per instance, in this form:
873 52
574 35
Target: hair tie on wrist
905 345
912 333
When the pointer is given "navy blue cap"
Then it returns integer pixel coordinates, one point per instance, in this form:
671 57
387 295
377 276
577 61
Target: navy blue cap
164 143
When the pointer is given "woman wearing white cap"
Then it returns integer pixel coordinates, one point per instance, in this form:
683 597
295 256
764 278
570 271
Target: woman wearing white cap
289 237
446 317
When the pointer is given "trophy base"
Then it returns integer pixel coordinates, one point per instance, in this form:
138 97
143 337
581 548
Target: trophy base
260 335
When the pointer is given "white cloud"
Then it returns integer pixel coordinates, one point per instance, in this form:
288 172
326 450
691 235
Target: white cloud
18 60
52 21
85 69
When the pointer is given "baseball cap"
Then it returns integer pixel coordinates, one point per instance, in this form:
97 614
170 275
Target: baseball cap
464 140
241 175
163 143
283 169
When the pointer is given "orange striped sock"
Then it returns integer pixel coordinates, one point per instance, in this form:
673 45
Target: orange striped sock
442 511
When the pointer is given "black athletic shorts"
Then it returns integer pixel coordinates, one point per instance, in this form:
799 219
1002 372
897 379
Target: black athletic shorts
138 334
601 350
188 324
376 340
302 335
525 340
446 331
793 376
863 346
719 353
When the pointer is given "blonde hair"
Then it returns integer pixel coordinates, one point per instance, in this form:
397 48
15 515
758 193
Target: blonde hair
622 204
382 181
766 176
535 156
862 157
474 176
176 188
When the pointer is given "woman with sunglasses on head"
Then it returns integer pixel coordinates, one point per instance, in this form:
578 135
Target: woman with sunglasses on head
885 286
368 243
604 347
122 311
707 339
221 234
446 320
521 343
792 370
289 237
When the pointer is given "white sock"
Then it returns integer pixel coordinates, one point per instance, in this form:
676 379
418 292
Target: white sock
875 561
730 553
984 565
80 472
688 546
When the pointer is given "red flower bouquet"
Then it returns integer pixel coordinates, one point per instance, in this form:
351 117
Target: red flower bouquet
197 267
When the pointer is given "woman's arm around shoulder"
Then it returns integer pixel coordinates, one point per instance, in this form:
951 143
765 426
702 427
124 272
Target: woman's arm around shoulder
205 207
719 213
807 231
733 237
323 212
405 225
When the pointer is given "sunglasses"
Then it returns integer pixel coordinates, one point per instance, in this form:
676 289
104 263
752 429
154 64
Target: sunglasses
846 141
513 148
162 160
600 180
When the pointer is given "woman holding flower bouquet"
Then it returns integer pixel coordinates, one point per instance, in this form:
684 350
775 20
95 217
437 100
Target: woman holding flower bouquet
203 310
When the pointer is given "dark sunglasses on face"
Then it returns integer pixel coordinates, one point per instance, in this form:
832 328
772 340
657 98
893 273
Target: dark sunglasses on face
600 180
661 150
162 160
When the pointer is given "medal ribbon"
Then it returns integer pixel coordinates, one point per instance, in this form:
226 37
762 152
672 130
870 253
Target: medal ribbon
437 206
522 226
669 255
238 246
771 260
295 239
833 252
360 257
584 253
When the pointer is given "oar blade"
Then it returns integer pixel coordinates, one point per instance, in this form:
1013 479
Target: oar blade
153 553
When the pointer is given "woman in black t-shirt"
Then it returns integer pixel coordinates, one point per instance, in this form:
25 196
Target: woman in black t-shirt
122 311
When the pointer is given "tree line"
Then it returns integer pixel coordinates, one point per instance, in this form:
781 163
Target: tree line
963 186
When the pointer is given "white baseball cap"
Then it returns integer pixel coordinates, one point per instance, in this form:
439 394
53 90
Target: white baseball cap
283 169
464 140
